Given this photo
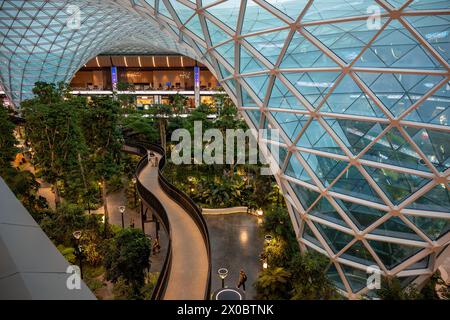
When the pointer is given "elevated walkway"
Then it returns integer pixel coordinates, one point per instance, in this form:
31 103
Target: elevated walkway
188 267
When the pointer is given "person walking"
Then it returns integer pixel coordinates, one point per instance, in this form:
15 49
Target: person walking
156 247
242 279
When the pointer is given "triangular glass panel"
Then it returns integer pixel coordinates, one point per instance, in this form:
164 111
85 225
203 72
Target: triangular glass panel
392 254
294 169
269 44
393 149
183 12
356 135
345 39
315 137
334 276
227 52
348 98
353 183
247 100
216 34
258 84
162 9
432 227
281 97
394 227
435 29
336 239
305 195
326 169
291 8
435 109
396 47
361 215
437 199
356 278
333 9
323 209
255 116
227 12
308 234
313 85
278 150
257 18
194 25
359 254
291 123
396 185
249 63
399 91
303 54
434 144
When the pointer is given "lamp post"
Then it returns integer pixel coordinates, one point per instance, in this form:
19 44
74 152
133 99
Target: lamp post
268 238
100 189
223 273
122 211
79 250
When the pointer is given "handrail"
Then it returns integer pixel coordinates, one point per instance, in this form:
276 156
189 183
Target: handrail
183 200
152 201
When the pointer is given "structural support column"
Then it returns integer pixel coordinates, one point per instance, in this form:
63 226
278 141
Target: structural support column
197 85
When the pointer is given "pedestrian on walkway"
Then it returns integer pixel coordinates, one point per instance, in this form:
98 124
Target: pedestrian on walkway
242 279
156 246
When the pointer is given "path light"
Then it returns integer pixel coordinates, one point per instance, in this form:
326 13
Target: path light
268 238
259 212
78 250
77 234
265 265
122 211
223 273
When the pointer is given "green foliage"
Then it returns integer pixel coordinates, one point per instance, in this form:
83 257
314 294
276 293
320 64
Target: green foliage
100 123
68 253
127 257
309 279
53 128
146 128
60 225
273 284
8 142
392 289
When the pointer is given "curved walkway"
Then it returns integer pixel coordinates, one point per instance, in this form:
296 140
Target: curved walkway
188 276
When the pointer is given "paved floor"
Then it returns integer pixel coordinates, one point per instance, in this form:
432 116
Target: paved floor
189 270
235 244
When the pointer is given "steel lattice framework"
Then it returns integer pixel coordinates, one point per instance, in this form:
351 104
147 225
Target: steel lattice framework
363 110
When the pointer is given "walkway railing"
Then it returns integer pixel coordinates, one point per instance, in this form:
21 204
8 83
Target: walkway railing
178 196
153 202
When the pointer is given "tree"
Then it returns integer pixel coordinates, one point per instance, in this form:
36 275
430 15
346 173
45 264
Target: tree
52 127
162 112
100 123
60 225
309 278
127 256
273 284
8 142
143 127
178 103
127 100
